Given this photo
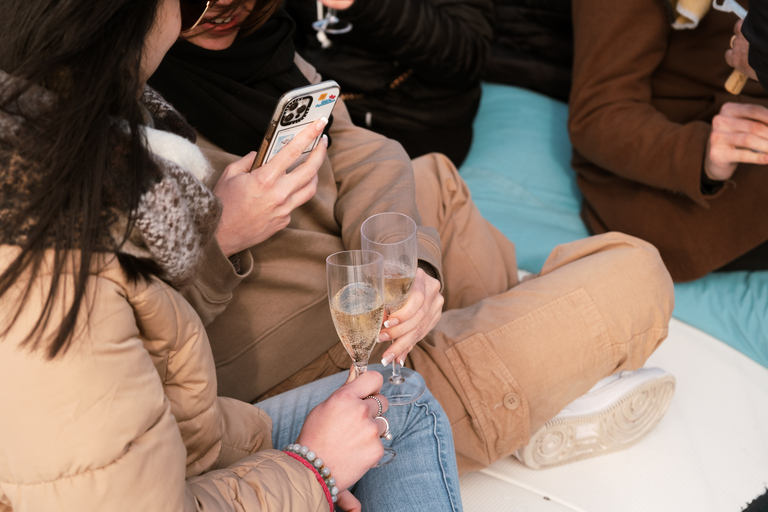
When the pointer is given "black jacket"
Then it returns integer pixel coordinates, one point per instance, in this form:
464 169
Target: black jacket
755 29
412 64
532 46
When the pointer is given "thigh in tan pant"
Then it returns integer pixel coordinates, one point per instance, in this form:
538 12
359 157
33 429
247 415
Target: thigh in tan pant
507 357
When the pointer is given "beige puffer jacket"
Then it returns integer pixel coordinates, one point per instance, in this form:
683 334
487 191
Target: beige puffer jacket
128 418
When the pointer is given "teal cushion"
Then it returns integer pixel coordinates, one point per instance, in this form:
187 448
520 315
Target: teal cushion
518 170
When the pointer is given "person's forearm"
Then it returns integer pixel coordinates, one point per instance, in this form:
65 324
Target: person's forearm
211 291
612 122
373 175
267 480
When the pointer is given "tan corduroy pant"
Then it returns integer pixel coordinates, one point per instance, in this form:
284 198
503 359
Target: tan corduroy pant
506 357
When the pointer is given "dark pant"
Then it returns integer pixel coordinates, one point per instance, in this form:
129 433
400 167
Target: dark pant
756 259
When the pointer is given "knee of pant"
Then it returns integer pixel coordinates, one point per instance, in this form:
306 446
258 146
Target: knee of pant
648 264
622 238
645 277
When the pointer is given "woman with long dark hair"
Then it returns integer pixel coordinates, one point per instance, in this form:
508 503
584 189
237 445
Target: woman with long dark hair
107 383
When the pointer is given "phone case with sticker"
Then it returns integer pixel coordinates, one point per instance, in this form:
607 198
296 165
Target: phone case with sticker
295 110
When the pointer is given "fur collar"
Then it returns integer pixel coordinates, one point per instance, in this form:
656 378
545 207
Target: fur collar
176 216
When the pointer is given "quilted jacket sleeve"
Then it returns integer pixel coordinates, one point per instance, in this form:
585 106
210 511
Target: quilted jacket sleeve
93 430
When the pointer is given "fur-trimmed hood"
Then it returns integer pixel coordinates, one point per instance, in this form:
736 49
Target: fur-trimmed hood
176 216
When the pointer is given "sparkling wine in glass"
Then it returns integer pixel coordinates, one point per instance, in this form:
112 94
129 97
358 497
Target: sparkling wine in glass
393 235
331 23
356 299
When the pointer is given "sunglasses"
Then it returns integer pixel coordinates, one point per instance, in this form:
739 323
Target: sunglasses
192 12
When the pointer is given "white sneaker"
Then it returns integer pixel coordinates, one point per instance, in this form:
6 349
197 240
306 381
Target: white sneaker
616 413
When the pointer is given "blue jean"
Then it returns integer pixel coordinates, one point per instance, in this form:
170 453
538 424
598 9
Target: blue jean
423 475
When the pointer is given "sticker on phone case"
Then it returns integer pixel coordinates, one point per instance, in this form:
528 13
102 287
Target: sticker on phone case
282 141
325 99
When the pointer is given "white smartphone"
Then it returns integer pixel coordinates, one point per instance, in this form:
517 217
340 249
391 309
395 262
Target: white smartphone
296 109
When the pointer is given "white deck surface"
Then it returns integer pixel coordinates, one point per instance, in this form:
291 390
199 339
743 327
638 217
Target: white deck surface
708 454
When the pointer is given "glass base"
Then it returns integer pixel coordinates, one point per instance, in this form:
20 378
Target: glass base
389 456
407 391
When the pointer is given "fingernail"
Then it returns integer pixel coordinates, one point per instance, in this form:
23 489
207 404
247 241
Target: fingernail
402 361
391 322
324 140
320 123
387 359
384 337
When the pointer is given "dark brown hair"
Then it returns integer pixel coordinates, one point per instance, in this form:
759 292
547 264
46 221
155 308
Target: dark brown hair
89 55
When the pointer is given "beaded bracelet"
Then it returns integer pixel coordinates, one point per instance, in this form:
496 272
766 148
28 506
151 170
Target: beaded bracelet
316 463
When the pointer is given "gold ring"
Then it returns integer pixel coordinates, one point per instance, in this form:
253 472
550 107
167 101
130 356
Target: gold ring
733 38
387 434
381 407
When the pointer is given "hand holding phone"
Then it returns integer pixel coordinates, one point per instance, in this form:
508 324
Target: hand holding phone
296 109
258 204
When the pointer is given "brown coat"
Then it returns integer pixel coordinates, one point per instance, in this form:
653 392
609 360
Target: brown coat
128 419
641 105
281 285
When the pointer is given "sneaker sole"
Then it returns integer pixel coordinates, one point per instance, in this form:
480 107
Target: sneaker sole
564 440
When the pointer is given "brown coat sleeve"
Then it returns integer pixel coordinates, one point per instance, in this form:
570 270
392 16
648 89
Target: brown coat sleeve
212 288
373 175
613 124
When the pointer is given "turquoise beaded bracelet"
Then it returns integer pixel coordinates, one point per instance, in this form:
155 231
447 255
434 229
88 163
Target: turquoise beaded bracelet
317 463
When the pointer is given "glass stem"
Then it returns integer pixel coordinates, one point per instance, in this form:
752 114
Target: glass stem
395 378
360 368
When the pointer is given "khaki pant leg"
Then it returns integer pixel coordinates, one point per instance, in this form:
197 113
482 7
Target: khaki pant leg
478 260
504 366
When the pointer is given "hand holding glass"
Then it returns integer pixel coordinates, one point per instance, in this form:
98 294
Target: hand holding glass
356 298
394 236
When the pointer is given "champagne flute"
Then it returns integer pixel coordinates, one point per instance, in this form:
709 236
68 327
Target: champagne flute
331 23
393 235
356 299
